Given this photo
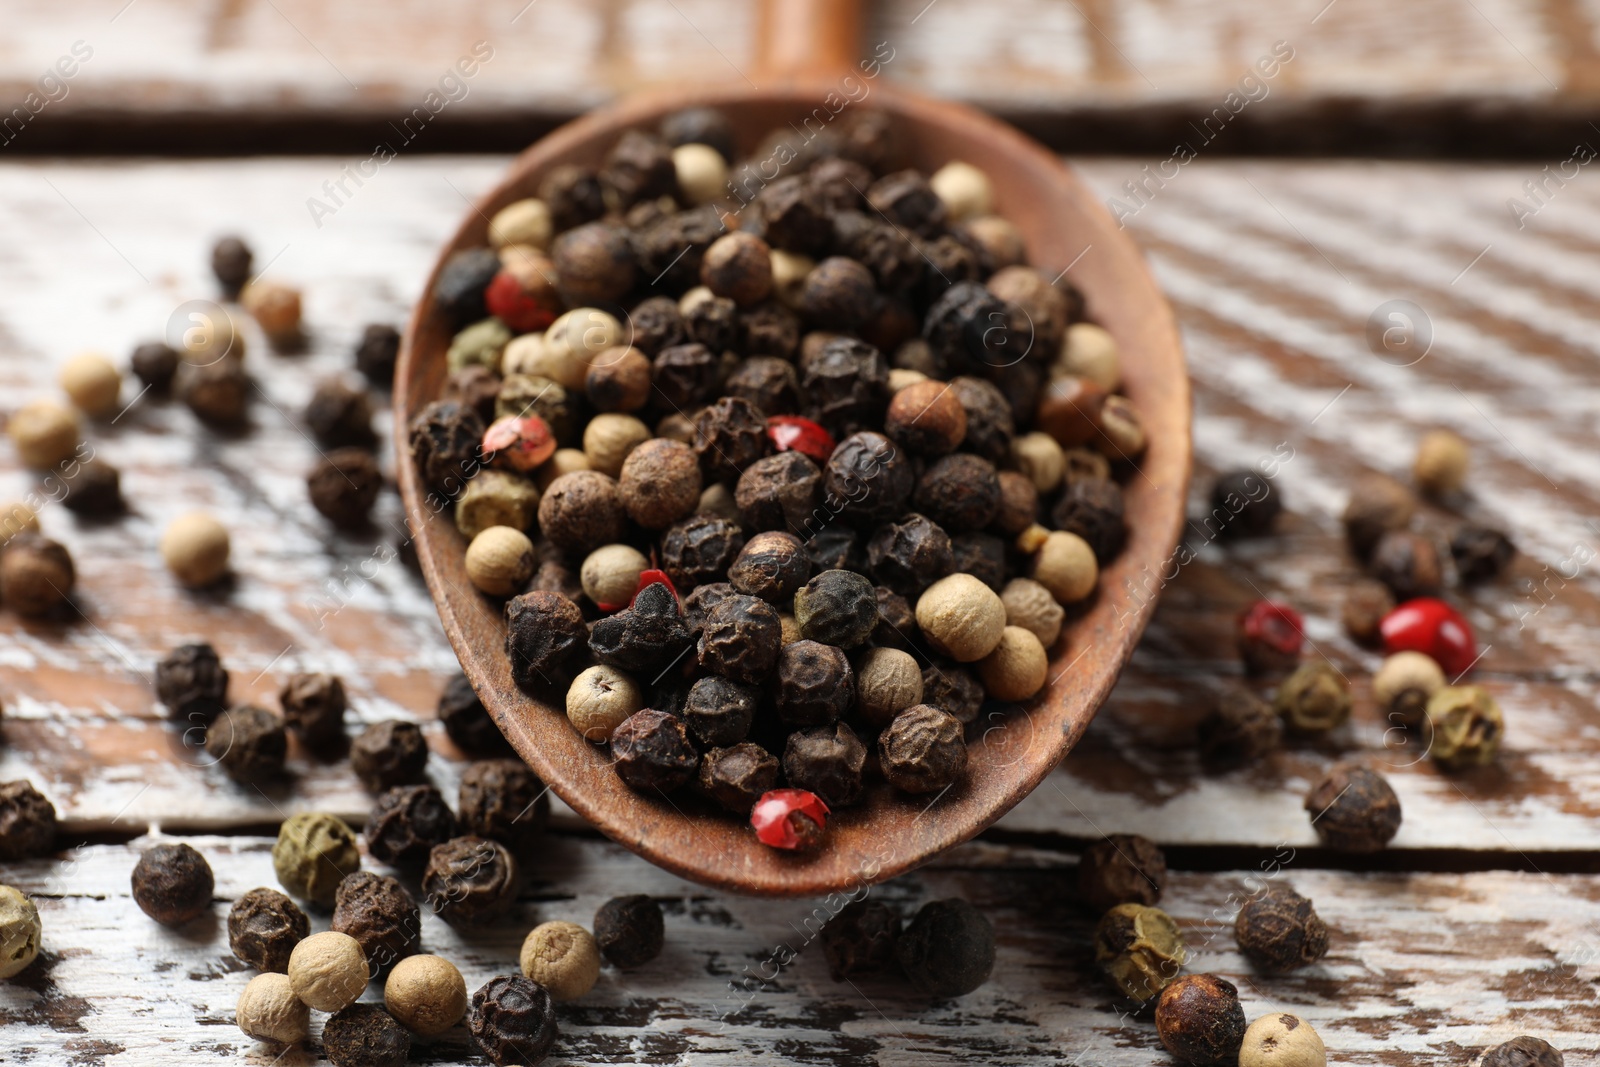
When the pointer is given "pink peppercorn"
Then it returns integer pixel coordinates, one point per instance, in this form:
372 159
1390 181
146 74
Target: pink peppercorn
791 432
1269 637
521 442
789 818
1434 628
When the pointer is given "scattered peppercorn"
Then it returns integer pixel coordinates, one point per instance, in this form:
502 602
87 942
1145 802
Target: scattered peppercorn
1377 505
264 926
1403 686
562 957
1269 637
1200 1020
196 547
1365 606
1278 930
1523 1052
313 853
426 995
268 1010
217 392
249 743
1353 808
20 931
504 801
1408 563
1465 726
1239 730
947 949
172 884
1121 869
1140 950
339 414
95 490
1480 552
860 939
389 753
405 824
376 352
630 930
364 1035
36 575
470 881
378 912
230 263
1283 1040
313 708
27 822
1243 504
192 683
513 1021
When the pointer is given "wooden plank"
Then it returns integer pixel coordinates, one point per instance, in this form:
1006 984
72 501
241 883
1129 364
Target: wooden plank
1421 969
1274 334
1454 75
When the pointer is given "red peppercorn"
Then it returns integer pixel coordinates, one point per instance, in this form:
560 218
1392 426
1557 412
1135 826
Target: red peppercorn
789 818
1270 636
519 442
1434 628
523 309
647 577
791 432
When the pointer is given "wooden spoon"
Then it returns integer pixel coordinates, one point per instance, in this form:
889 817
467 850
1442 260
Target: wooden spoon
1063 223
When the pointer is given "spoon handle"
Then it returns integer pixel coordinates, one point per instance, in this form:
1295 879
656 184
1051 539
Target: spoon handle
801 39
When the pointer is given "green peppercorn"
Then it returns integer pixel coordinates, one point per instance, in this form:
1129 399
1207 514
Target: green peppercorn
1314 699
1466 725
313 854
1140 950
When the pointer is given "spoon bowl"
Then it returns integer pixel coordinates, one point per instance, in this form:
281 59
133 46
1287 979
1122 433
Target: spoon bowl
1064 225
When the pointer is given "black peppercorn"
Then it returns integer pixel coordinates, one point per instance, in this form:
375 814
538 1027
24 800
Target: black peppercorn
574 196
794 216
248 742
729 436
713 322
313 707
476 387
838 294
95 490
1278 930
581 511
27 822
1094 511
982 555
1523 1051
907 200
230 262
955 259
645 638
740 640
970 329
594 264
927 418
1365 605
513 1021
364 1035
953 689
870 479
651 752
671 250
769 383
923 750
896 621
638 167
1121 869
1408 563
828 761
779 492
736 777
719 711
947 949
406 823
378 912
772 566
545 635
389 753
470 881
504 801
860 939
846 385
344 485
896 264
376 352
340 414
698 604
1353 808
630 930
445 439
910 555
700 549
192 683
218 392
172 884
699 125
960 492
990 425
816 684
155 364
1200 1020
770 329
657 325
685 376
1377 505
264 926
467 722
836 547
1480 552
1239 730
462 280
837 607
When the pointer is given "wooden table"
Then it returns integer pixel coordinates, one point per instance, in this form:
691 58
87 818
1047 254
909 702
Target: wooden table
1481 922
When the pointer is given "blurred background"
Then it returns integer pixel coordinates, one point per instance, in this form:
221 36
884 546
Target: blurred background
1475 78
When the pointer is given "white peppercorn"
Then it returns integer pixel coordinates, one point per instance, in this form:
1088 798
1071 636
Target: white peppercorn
500 561
1282 1040
563 957
1041 458
887 682
966 191
601 699
610 574
609 438
425 994
328 970
1404 684
1017 667
530 355
789 273
1031 606
562 461
702 173
93 383
1441 464
1065 565
961 617
269 1010
45 433
195 547
523 222
1090 351
276 309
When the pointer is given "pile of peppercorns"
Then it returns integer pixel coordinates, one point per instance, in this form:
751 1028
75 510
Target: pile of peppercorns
763 467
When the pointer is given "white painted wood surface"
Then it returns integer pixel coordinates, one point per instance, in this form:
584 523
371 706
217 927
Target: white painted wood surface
1422 969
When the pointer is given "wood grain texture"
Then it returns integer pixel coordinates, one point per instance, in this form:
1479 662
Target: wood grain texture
1422 969
1274 334
887 832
